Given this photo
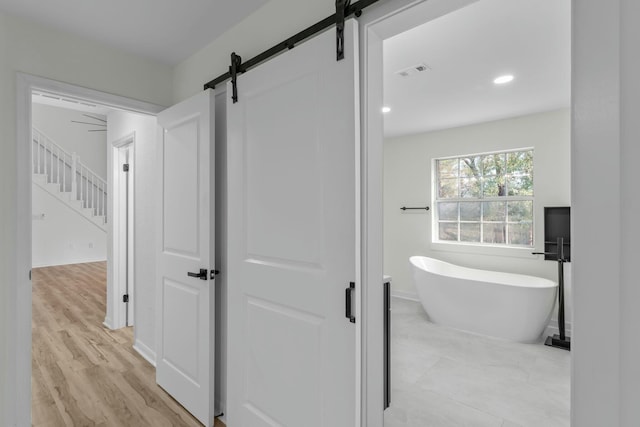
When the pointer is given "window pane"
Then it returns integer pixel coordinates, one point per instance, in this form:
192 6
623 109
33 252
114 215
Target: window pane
482 198
470 211
520 185
448 168
520 163
448 231
470 232
520 211
494 233
493 186
521 234
494 211
471 166
448 211
469 187
448 188
493 164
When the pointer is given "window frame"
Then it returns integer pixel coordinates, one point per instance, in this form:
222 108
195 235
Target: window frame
479 247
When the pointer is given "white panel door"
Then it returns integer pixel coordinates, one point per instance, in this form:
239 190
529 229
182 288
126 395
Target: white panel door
293 144
185 347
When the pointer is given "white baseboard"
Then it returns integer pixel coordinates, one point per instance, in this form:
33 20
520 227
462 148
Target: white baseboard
146 352
404 295
73 262
108 323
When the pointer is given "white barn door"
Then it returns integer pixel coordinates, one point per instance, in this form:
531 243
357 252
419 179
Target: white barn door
185 347
293 153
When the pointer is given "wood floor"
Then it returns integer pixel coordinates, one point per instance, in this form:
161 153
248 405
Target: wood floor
83 373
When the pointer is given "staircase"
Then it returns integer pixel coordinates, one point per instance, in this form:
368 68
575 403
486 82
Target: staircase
64 176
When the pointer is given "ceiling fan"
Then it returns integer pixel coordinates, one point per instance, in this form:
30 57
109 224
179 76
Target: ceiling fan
102 127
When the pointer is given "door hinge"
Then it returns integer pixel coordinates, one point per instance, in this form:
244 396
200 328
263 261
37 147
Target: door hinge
29 274
125 298
125 167
348 303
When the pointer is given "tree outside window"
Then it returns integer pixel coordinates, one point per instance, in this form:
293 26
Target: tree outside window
485 198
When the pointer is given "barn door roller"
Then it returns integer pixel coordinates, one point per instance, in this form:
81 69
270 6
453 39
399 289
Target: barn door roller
234 69
341 10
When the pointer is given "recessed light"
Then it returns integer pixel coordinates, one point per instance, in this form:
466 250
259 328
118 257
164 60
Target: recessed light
386 110
503 79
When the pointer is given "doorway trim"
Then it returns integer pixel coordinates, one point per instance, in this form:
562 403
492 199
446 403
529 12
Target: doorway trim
123 241
18 367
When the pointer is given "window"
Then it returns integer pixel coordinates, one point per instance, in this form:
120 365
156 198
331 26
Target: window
485 199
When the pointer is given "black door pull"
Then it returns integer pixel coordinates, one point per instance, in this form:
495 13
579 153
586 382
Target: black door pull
347 296
202 275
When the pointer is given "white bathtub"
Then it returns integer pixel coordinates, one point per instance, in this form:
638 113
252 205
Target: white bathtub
503 305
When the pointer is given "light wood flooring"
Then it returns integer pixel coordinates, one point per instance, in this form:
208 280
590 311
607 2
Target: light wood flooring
83 373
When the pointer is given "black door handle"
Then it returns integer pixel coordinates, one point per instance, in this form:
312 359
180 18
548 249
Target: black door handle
347 296
202 275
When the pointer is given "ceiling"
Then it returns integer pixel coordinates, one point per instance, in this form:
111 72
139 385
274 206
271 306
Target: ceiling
165 30
465 51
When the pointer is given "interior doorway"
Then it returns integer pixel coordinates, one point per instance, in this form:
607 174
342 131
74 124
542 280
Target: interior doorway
93 202
410 180
123 228
71 228
128 120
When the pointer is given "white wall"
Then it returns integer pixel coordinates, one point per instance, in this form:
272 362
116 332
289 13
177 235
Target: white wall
145 213
606 99
407 182
61 235
34 49
55 122
630 207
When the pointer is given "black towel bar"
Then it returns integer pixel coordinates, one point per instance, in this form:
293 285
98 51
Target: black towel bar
404 208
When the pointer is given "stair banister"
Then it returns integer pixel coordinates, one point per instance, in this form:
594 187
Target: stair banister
44 147
64 172
80 185
92 189
58 166
74 168
38 168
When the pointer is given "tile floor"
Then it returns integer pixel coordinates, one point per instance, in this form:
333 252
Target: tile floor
443 377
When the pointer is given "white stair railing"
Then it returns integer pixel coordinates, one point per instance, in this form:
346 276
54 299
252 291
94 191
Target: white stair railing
65 169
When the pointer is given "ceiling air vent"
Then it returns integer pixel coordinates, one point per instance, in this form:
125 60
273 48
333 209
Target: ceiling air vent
414 69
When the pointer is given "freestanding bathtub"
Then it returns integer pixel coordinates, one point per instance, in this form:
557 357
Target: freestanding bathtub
515 307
